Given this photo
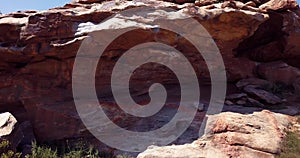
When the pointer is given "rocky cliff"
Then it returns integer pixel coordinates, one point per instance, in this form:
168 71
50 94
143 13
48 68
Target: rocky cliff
258 40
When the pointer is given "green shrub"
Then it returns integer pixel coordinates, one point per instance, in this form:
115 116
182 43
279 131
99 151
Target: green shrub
41 152
81 149
291 148
4 144
75 150
6 152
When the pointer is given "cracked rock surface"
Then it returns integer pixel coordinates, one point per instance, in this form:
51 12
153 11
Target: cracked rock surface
232 135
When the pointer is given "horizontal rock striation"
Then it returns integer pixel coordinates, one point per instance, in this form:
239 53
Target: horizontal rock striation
38 49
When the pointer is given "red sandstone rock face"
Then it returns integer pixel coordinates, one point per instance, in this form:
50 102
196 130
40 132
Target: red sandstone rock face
37 51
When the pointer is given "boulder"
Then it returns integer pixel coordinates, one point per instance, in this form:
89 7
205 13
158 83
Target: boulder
278 72
9 130
262 95
254 82
255 102
236 96
232 135
7 123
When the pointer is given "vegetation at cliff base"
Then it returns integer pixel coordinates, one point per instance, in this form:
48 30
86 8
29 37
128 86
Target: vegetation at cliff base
291 146
5 152
77 150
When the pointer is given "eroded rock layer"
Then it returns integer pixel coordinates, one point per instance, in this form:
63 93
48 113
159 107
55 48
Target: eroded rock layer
257 39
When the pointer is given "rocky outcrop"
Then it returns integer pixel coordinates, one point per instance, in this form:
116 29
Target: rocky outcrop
18 135
38 49
232 135
7 123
